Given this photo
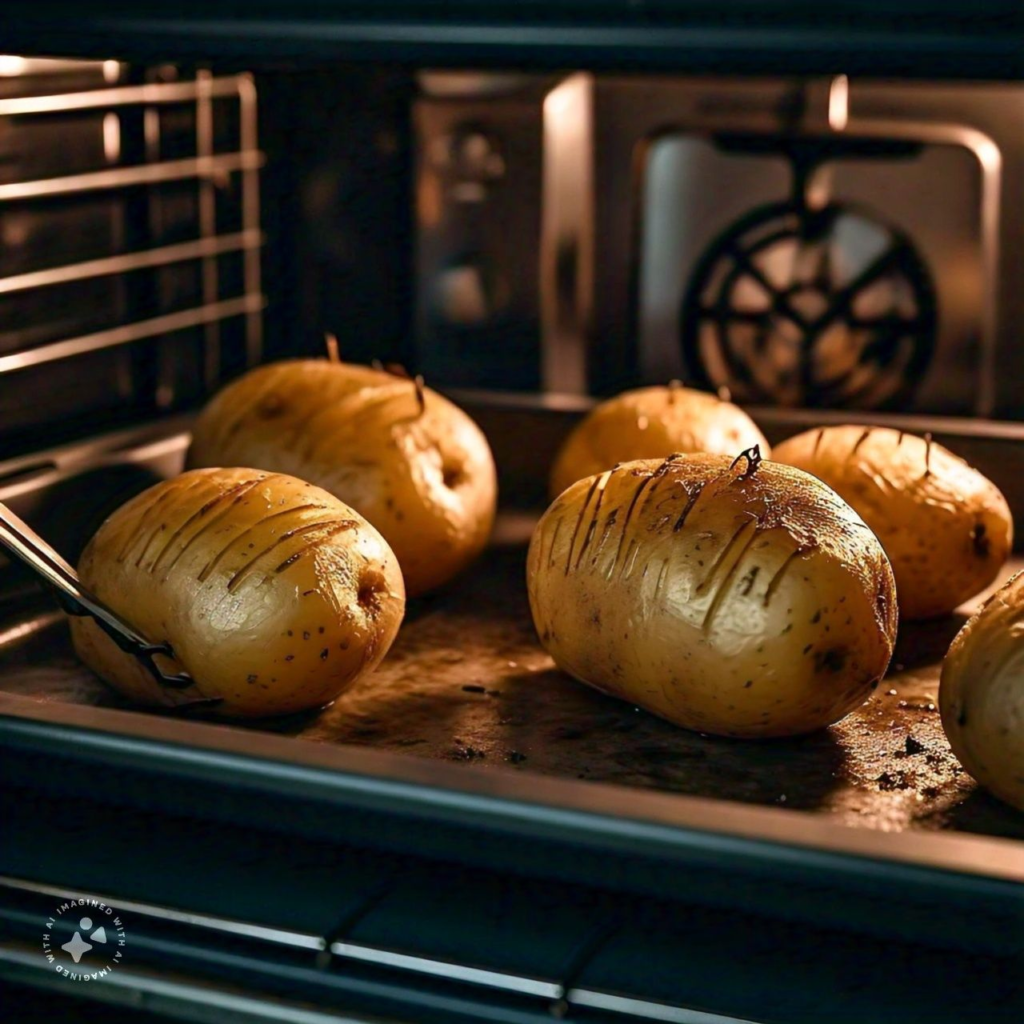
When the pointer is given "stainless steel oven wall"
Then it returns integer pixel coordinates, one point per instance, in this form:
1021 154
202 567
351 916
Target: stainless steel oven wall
668 187
478 194
608 219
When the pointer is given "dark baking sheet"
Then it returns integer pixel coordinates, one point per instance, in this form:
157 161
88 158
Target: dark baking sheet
466 682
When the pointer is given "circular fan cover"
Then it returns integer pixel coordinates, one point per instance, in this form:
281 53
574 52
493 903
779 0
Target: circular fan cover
810 307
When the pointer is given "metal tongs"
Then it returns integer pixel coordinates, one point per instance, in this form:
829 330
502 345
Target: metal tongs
28 547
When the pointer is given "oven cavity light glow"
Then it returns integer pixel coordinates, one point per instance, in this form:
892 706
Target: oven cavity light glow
839 103
11 65
112 137
111 70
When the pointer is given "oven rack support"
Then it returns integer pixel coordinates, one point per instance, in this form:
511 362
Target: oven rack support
206 169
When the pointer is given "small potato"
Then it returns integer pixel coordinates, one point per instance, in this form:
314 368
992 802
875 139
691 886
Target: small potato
742 600
650 423
946 528
275 596
981 696
411 462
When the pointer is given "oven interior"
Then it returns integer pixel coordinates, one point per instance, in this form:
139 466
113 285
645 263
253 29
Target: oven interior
456 834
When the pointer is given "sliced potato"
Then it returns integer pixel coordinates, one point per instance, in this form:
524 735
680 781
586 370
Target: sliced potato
981 696
275 596
411 462
741 600
650 423
946 528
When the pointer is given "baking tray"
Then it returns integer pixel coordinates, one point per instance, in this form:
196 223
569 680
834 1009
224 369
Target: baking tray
468 711
466 683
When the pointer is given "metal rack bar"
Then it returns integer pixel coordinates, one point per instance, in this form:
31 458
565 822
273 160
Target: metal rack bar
151 174
208 226
166 324
233 926
250 214
446 969
200 248
125 95
646 1009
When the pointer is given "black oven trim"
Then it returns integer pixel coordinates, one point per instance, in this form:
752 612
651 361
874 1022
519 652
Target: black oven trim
981 40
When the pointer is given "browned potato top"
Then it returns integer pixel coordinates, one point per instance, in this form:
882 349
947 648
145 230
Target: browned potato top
650 423
946 528
739 599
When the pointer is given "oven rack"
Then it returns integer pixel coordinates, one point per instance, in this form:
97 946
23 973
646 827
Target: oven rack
219 115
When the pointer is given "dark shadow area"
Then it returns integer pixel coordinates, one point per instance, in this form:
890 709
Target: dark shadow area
926 642
70 511
982 813
580 732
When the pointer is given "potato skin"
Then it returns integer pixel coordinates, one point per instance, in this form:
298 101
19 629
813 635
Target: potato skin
981 694
650 423
946 528
275 596
424 477
739 603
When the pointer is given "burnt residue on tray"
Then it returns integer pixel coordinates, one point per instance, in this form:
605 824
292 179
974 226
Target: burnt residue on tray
466 682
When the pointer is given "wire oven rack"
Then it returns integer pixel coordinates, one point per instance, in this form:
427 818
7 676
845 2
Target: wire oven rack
158 190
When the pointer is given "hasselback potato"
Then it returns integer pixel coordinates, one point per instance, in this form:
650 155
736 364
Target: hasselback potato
737 598
413 463
275 596
981 696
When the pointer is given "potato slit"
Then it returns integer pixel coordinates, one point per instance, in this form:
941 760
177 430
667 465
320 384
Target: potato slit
724 553
860 440
554 541
629 562
602 484
657 476
609 522
143 520
157 531
691 500
625 522
726 582
579 521
204 573
343 525
774 582
286 536
222 515
236 492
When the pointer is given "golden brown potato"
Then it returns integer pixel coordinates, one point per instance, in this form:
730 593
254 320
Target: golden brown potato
414 464
650 423
946 528
742 600
981 696
275 596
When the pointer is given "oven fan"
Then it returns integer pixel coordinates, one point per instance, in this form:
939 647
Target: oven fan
799 306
